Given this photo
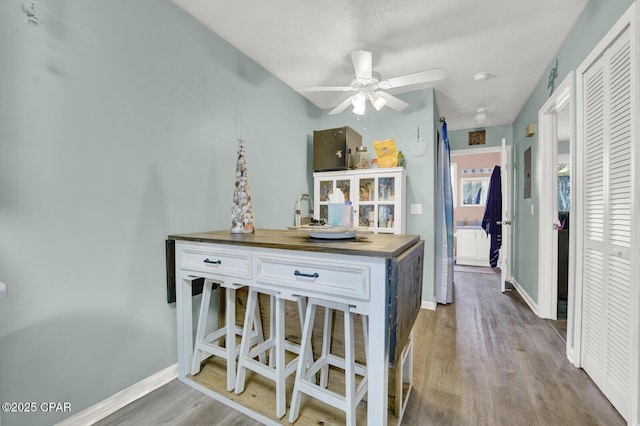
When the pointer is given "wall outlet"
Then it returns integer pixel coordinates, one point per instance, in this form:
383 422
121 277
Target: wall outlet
416 208
3 291
532 210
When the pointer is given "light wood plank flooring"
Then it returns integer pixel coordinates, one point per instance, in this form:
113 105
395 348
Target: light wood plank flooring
486 359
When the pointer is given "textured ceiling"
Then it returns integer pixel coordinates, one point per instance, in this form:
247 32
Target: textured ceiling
308 43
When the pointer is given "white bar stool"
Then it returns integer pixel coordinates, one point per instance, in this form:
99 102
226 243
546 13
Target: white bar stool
207 344
277 369
307 369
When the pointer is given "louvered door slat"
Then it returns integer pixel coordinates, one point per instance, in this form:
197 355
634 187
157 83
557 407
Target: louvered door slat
594 154
620 147
592 312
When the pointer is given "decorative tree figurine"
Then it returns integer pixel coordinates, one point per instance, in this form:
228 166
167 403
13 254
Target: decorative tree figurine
241 211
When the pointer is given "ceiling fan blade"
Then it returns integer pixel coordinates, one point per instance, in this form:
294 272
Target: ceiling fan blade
416 78
344 105
325 89
393 102
362 63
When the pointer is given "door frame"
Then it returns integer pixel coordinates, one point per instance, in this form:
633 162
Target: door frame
509 183
506 174
548 201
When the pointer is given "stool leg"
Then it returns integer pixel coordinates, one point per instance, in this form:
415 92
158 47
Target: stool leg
230 319
306 358
246 339
350 372
302 311
272 328
259 333
202 326
365 334
326 345
280 361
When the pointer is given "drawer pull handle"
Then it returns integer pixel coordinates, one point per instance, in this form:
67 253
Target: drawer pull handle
300 274
214 262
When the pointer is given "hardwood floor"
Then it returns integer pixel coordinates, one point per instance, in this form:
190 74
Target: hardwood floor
486 359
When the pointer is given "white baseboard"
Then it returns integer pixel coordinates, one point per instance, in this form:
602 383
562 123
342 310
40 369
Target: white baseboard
428 304
126 396
533 305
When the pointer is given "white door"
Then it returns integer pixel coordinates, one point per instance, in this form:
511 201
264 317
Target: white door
607 316
505 249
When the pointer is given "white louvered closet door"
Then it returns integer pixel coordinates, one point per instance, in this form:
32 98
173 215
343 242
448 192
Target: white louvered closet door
608 186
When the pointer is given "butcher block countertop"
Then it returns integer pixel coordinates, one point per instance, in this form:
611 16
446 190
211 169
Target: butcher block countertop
373 245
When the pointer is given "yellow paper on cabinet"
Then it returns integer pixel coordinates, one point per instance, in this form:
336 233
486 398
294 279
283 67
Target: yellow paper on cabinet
386 152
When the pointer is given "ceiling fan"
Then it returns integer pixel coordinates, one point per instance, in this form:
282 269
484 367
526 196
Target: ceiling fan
368 85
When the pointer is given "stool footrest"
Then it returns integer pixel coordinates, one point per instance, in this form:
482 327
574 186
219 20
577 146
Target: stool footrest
292 347
216 335
260 348
269 372
336 361
332 398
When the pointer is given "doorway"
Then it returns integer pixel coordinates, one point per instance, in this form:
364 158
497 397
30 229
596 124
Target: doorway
555 258
470 173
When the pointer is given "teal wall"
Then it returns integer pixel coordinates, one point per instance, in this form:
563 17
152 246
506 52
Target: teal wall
459 139
402 127
118 126
594 22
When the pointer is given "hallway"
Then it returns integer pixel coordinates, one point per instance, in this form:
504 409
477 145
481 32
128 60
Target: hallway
489 360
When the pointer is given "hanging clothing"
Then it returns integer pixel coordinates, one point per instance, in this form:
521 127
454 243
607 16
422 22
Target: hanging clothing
492 219
444 220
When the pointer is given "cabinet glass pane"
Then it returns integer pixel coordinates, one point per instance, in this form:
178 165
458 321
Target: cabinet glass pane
345 187
324 212
326 188
386 189
366 189
366 216
385 216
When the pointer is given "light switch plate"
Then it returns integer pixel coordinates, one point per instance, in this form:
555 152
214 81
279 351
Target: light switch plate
416 208
532 210
3 291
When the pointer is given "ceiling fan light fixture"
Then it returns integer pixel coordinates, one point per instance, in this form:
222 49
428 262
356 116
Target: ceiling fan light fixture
481 116
358 102
377 101
358 99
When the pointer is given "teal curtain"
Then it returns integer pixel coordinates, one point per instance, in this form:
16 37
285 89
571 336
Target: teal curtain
444 220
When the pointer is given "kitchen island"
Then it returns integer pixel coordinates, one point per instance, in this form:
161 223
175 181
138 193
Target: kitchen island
380 275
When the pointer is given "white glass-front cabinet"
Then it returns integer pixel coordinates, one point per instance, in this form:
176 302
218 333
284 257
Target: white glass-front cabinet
378 196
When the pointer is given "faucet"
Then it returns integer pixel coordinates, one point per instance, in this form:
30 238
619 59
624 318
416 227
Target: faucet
299 221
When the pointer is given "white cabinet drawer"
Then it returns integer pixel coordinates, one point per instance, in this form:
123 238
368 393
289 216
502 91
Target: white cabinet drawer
336 279
224 262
